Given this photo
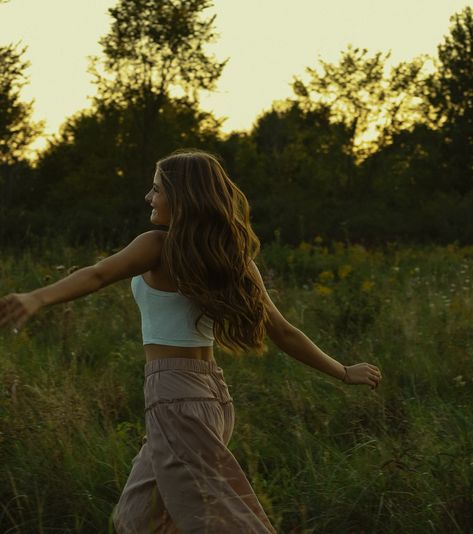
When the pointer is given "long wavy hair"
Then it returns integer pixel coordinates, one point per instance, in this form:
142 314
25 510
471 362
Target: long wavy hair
209 246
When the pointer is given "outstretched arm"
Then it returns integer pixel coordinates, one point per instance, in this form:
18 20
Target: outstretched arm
142 254
297 345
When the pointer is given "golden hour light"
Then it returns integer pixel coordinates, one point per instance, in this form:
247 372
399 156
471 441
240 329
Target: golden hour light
267 43
236 266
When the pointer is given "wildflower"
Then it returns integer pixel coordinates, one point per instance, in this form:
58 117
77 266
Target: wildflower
324 291
338 246
318 239
344 271
326 276
459 380
367 285
357 252
303 245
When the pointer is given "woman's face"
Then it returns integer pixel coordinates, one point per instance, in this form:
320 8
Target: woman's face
159 202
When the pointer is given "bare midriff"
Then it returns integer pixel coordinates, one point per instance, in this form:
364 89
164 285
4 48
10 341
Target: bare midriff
155 351
160 279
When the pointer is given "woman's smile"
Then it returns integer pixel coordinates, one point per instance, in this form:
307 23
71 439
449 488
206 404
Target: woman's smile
157 200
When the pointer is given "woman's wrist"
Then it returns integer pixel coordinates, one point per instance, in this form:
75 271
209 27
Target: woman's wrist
38 295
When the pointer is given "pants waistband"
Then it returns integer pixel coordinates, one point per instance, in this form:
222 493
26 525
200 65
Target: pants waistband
188 364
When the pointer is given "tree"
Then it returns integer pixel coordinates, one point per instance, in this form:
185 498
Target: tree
17 130
451 95
452 85
89 180
360 94
295 168
154 46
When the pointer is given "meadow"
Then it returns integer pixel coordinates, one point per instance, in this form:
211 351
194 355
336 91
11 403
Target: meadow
322 456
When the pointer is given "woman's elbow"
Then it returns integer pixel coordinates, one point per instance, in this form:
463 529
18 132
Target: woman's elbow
279 333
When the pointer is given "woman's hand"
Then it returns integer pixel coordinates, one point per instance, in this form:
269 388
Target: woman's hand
17 308
363 373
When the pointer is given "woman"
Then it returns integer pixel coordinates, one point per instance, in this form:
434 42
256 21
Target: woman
194 280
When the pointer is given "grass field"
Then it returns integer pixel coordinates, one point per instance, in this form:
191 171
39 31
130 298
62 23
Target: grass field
322 456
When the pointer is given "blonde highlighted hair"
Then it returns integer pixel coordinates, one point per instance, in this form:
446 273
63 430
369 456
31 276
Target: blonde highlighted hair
209 247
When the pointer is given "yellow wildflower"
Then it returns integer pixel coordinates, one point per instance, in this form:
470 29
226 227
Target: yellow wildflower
357 252
367 285
326 276
344 270
322 290
303 245
318 239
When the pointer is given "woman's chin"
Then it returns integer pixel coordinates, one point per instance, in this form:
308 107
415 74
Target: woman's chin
155 219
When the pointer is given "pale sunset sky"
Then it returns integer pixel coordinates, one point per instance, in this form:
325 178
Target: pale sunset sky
268 42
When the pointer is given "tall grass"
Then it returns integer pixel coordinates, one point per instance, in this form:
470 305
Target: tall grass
322 456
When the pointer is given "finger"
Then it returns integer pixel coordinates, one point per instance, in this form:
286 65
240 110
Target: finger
372 382
376 378
375 374
21 323
16 317
4 304
5 319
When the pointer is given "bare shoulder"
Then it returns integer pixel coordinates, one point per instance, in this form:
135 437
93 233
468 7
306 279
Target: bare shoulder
153 236
147 245
140 255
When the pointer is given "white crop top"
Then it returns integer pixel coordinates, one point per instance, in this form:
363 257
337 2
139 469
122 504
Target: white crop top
168 317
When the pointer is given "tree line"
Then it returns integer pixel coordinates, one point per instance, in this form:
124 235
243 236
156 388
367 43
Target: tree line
359 152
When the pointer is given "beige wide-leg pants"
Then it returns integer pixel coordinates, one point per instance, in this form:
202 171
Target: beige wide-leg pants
184 479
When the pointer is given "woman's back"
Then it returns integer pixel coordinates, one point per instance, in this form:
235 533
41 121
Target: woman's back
159 277
166 313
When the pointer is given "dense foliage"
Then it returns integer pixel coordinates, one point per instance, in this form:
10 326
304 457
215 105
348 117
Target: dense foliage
323 456
358 154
